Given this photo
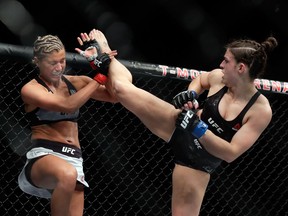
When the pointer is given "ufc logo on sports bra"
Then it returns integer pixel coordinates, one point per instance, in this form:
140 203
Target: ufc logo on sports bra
215 125
68 150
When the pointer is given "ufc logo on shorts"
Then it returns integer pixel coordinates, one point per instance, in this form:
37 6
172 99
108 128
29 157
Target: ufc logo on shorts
68 150
185 121
197 144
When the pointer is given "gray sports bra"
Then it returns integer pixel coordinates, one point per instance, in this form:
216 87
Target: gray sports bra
41 116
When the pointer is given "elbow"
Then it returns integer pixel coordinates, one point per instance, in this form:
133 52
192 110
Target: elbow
70 108
113 100
230 157
229 160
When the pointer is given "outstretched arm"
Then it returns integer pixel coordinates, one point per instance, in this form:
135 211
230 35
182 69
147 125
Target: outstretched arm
34 94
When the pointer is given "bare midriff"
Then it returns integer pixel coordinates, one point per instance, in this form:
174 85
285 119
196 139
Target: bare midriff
64 132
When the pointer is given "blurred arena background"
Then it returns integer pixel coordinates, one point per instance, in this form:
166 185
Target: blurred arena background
128 169
184 33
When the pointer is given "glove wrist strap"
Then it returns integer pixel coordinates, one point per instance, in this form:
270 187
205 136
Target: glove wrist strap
100 78
195 95
200 129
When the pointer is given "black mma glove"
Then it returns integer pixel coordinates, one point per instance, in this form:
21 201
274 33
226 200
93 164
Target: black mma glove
188 120
90 44
183 97
87 45
100 65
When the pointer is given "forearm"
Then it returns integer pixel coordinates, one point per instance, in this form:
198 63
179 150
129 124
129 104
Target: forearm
188 99
217 146
75 101
200 83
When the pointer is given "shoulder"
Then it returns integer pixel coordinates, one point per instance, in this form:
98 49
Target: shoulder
214 78
32 91
30 85
215 74
264 104
261 111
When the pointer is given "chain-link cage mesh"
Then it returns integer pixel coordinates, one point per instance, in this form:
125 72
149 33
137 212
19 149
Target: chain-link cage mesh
129 169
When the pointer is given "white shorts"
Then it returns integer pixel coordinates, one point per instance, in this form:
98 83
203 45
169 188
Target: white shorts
72 155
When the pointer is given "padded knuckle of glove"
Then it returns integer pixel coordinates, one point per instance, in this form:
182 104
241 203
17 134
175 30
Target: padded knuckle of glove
183 97
177 100
88 44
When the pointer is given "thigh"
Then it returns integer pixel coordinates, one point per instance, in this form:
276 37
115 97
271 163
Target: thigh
188 189
47 170
156 114
77 203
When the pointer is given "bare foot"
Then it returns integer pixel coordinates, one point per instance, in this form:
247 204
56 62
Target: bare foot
101 39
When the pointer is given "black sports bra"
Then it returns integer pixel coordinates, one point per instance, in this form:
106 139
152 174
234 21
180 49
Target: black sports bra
218 125
41 116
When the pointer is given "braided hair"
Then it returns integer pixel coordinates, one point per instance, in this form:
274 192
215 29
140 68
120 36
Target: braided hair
44 45
253 54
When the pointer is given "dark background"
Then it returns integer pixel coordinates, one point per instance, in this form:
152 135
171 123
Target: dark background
183 33
127 169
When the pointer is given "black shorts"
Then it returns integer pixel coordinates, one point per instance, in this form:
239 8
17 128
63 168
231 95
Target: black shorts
28 170
189 152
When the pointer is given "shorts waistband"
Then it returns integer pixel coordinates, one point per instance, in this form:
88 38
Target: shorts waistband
59 147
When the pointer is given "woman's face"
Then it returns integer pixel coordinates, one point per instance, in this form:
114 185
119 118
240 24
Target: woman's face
229 67
53 65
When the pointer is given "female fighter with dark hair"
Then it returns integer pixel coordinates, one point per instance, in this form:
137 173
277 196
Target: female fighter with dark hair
233 117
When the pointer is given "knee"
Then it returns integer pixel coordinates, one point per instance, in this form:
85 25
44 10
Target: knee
67 179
